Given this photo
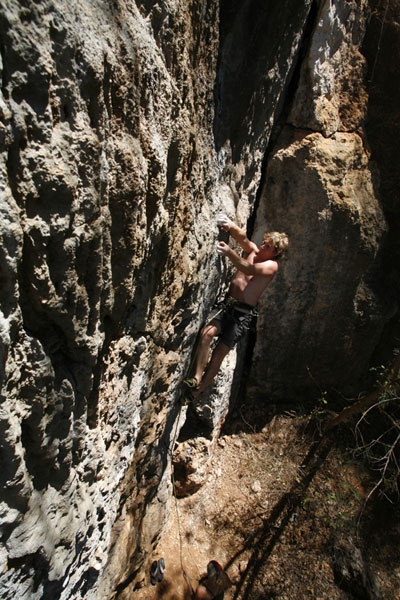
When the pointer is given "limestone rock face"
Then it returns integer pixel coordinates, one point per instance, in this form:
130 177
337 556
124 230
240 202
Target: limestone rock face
107 164
321 307
125 127
331 94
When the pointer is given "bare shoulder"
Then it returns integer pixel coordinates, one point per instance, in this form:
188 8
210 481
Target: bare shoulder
251 252
249 247
253 246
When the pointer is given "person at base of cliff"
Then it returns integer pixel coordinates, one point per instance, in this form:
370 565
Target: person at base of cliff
232 317
213 585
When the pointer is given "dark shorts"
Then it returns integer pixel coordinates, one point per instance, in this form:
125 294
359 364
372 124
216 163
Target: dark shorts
234 323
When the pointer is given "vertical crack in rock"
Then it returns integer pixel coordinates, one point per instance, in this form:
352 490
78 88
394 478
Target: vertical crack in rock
321 168
259 42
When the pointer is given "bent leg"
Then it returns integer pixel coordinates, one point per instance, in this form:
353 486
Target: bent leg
218 355
203 353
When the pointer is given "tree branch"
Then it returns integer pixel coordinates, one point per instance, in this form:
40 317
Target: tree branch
367 401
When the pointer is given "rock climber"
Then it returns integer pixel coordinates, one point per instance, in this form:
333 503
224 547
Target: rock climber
232 317
214 584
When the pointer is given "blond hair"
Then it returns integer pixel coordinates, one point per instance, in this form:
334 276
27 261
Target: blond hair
280 242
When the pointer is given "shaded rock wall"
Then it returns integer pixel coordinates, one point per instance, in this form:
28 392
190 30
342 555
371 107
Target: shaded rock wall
125 127
381 47
326 185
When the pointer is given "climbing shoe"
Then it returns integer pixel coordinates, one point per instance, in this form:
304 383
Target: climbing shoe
190 383
186 398
157 571
189 386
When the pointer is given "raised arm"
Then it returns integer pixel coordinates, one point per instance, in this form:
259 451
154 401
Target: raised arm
238 234
266 268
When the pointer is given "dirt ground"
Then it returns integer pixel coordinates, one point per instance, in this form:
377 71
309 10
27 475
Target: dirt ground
283 510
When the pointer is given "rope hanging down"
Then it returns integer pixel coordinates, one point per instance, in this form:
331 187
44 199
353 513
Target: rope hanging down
222 269
185 575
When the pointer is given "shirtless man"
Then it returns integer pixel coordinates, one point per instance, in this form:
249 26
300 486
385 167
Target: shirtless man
231 318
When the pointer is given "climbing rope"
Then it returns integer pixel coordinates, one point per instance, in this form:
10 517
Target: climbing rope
222 272
379 42
187 578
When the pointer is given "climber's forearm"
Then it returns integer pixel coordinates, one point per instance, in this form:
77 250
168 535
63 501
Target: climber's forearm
240 263
238 234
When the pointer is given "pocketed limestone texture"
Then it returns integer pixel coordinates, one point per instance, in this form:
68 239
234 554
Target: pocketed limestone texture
125 128
108 195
